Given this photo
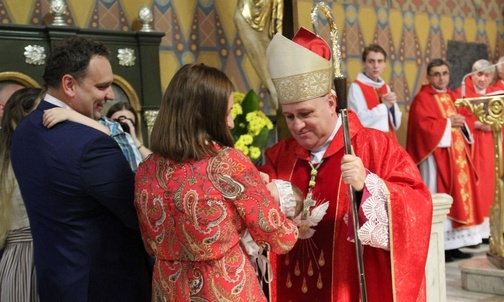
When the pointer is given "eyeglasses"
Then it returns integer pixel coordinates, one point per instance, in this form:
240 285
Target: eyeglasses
438 74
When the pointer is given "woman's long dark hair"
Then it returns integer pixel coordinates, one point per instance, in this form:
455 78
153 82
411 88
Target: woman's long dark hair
17 107
193 114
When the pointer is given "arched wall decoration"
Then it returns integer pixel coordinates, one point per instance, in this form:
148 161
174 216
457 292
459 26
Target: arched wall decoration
21 78
130 92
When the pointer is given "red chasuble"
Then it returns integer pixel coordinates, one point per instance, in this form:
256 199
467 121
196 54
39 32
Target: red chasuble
373 98
455 172
482 155
499 85
324 267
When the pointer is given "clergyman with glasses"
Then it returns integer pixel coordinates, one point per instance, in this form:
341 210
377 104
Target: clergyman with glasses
439 142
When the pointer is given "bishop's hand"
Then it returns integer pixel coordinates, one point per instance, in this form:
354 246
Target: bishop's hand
353 171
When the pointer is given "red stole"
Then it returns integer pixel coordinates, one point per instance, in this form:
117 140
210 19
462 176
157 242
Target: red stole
482 155
455 173
373 96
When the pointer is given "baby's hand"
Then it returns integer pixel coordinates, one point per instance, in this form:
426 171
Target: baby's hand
55 115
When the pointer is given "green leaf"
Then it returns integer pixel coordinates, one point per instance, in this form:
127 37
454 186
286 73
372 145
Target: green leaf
250 102
261 139
240 126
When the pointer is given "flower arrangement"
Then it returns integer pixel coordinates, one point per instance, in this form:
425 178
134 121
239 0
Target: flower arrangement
252 126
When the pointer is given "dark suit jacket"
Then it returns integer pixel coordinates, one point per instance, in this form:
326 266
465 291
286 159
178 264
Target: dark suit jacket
79 190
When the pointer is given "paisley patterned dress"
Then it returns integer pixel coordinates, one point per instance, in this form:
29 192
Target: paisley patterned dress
191 216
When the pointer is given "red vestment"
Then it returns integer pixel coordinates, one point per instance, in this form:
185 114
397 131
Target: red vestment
373 98
482 154
324 267
455 173
499 85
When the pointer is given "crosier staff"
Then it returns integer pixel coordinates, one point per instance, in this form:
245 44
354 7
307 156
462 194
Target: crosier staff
340 84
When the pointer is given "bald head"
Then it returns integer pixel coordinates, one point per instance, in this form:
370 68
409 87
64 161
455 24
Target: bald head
5 93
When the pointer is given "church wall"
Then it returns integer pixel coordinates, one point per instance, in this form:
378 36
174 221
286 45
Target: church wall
411 31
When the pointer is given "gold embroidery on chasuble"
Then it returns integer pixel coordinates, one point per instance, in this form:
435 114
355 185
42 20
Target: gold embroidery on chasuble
305 262
459 153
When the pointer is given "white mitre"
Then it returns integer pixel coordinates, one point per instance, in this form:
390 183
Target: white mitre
301 69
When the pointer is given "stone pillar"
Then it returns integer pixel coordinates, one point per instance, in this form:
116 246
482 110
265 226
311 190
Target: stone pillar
435 267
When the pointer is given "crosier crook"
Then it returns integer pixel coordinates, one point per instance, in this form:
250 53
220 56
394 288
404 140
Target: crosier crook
340 85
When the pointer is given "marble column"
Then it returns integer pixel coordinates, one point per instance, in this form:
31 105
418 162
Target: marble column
435 267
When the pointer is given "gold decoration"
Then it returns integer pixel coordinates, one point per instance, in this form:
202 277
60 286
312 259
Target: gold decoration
310 269
489 110
21 78
304 287
297 270
333 34
288 283
319 281
258 12
302 87
286 261
321 260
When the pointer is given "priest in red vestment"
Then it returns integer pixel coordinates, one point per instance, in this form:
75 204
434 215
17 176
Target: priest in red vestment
499 84
395 210
483 153
373 100
438 141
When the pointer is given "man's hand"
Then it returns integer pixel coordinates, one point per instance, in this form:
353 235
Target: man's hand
480 126
389 99
264 177
457 120
353 171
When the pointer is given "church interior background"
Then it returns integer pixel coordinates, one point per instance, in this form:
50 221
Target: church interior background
411 31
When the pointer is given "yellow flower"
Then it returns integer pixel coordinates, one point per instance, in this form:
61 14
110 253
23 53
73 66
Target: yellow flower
255 152
246 139
251 125
236 110
238 97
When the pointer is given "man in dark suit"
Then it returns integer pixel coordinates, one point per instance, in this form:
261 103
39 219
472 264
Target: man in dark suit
79 189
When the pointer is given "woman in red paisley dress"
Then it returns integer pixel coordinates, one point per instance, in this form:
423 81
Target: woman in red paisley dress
196 194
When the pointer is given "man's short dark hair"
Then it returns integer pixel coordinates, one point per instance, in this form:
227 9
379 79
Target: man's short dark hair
436 63
373 48
72 56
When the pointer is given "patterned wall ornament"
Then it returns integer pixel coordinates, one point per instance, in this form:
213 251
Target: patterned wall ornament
126 56
34 55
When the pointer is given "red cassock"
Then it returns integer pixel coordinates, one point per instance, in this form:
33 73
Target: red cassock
455 172
499 85
482 154
324 267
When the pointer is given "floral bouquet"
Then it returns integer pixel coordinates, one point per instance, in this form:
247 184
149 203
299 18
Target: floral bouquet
252 126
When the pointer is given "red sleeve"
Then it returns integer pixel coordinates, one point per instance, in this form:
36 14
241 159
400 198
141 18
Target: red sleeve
426 126
261 214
